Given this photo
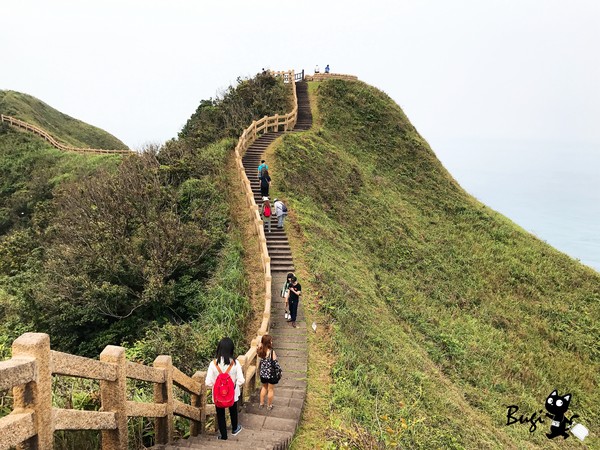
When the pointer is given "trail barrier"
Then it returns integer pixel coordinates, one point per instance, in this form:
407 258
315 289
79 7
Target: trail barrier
17 123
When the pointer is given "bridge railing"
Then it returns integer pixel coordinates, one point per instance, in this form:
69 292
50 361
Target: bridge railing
53 141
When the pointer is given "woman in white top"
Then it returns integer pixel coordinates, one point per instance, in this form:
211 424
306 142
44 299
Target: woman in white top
224 358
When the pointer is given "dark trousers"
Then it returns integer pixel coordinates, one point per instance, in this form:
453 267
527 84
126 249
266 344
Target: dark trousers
233 412
293 308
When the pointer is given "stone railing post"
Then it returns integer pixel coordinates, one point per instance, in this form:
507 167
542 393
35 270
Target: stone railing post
199 401
113 398
36 395
163 393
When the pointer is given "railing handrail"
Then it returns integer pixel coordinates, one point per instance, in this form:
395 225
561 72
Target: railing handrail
13 121
33 363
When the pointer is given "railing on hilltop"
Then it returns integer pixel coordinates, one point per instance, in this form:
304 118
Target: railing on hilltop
55 143
29 372
330 76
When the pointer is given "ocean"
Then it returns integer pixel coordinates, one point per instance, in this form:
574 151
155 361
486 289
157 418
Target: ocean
551 190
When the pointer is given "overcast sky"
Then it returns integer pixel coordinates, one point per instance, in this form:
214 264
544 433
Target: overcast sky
522 69
507 92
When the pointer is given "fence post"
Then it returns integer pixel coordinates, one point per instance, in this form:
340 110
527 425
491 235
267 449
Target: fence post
113 398
199 401
163 393
36 395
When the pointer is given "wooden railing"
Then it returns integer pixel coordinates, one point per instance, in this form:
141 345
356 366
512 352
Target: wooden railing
53 141
33 420
330 76
250 134
29 372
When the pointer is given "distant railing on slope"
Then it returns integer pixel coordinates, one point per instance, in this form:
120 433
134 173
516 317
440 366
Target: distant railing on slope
29 372
53 141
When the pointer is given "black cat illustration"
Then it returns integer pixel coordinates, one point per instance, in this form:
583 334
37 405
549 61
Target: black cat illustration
557 406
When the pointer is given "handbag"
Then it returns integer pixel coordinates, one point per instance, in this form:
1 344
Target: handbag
270 369
276 371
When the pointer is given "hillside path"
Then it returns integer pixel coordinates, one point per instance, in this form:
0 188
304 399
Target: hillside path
271 430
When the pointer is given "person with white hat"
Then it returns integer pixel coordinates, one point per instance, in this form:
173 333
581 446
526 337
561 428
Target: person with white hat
280 212
266 213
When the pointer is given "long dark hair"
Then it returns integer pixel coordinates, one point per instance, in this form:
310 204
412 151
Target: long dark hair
267 344
225 351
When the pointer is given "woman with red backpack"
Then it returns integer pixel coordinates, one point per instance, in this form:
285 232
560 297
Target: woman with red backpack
224 377
266 212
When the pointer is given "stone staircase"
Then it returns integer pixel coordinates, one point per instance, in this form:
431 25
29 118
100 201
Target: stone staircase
304 115
277 243
274 429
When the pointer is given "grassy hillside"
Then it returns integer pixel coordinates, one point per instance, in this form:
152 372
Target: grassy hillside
438 312
67 129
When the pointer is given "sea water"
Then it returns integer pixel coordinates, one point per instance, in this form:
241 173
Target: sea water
550 189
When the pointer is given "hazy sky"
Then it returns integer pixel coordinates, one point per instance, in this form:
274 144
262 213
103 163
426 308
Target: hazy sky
522 69
507 92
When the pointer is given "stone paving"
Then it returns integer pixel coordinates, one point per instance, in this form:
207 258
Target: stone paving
274 429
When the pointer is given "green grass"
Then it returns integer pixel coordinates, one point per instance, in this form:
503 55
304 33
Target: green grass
66 129
442 312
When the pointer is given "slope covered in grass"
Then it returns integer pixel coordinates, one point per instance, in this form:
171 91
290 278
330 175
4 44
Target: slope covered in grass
440 311
63 127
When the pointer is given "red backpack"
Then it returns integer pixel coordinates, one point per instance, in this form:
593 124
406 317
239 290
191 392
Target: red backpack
224 390
267 211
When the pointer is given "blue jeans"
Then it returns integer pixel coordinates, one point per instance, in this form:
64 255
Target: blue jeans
280 220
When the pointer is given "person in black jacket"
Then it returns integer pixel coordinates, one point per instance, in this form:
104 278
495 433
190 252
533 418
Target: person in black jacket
294 299
265 182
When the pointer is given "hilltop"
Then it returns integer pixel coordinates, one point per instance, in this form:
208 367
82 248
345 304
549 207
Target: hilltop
63 127
435 312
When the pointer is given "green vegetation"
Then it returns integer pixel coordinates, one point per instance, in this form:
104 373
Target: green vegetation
440 311
136 250
229 115
67 129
